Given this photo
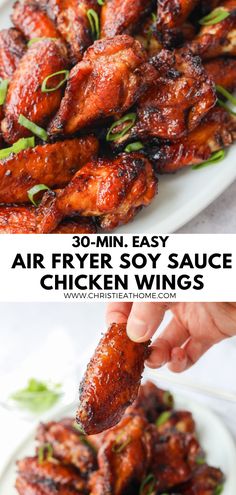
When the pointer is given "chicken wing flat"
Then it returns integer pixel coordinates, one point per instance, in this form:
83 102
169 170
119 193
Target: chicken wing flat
51 164
222 71
217 39
23 220
217 131
41 60
205 480
123 16
68 444
25 487
180 97
51 472
12 48
124 457
113 190
106 82
32 20
111 381
71 18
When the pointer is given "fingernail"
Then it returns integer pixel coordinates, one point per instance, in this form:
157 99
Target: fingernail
137 330
157 358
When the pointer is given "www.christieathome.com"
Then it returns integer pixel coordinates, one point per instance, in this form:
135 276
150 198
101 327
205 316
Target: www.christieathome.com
120 295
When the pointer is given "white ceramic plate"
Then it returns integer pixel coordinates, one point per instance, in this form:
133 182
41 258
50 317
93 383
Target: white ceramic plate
181 196
214 438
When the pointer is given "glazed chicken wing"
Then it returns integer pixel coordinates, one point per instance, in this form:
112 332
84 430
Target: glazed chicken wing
23 220
68 444
111 381
25 487
153 401
71 18
108 81
12 48
222 71
113 190
32 20
51 164
123 16
171 17
217 131
41 60
205 480
219 38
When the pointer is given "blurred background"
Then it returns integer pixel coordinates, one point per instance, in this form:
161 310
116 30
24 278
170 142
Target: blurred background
53 342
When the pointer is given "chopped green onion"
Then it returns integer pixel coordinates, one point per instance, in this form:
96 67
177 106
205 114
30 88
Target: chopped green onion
134 147
226 94
219 490
38 131
225 106
130 117
44 83
154 17
163 418
217 15
119 447
35 40
215 158
149 480
3 90
168 399
37 396
94 23
100 2
45 452
35 190
21 144
200 460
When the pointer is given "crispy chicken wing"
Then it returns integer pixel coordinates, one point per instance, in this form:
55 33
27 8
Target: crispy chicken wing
23 220
25 487
222 71
217 39
68 444
217 131
204 481
73 23
32 20
12 48
171 17
51 164
108 81
113 190
25 95
123 16
111 381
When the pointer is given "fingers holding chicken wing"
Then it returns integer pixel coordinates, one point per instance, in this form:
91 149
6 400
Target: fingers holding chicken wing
41 60
111 381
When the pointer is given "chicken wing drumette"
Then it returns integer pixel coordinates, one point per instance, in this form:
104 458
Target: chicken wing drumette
25 95
123 16
107 82
111 381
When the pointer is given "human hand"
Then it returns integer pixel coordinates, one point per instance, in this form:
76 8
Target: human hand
194 328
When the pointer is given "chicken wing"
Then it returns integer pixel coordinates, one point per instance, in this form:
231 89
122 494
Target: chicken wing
219 38
123 16
72 22
113 190
12 48
51 164
153 401
111 381
175 420
23 220
41 60
217 131
68 444
108 81
222 71
171 17
205 480
25 487
32 20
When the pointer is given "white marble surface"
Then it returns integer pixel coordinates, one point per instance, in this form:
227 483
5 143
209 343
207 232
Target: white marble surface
54 341
218 218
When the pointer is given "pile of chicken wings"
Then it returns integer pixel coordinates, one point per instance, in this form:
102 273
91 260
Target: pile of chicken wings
154 450
100 96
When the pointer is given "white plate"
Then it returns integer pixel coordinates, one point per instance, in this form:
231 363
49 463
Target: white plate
181 196
214 438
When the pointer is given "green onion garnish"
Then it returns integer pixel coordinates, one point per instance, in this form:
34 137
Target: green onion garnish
3 90
94 23
35 40
225 106
100 2
37 396
21 144
45 452
200 460
163 418
168 399
44 83
154 17
119 447
38 131
134 147
35 190
150 482
219 490
217 15
114 136
216 157
226 94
